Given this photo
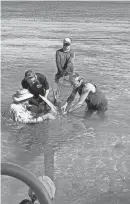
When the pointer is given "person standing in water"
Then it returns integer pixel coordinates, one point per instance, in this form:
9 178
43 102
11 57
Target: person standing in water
64 62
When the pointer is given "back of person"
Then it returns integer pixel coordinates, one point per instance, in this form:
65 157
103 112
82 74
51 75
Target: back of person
20 114
96 98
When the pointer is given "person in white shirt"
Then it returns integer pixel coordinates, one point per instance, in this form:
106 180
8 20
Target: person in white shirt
20 109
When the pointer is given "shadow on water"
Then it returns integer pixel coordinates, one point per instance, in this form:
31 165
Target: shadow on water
83 157
89 160
31 146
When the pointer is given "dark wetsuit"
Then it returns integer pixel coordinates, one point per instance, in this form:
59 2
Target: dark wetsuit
95 101
26 201
39 87
64 62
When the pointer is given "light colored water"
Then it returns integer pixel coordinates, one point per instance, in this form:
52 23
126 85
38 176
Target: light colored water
89 160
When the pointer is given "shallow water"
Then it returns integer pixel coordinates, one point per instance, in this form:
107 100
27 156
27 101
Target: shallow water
88 160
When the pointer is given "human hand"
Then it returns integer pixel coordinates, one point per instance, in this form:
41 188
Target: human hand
64 112
65 73
49 116
63 108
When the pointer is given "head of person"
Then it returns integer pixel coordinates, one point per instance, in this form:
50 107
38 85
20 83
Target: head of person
25 201
22 96
49 186
66 44
30 76
75 80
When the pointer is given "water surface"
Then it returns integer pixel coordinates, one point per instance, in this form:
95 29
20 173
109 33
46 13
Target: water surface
88 160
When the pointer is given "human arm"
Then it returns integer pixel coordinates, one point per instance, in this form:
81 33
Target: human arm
24 84
47 116
70 62
45 85
80 103
39 119
58 61
87 89
69 100
53 108
17 114
47 92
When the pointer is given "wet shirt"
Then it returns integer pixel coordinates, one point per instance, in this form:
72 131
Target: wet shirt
64 59
39 87
20 114
93 98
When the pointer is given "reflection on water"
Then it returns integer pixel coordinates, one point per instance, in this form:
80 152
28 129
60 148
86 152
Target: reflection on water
88 160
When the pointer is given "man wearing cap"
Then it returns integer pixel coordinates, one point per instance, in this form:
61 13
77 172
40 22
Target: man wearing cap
37 84
20 109
89 93
64 61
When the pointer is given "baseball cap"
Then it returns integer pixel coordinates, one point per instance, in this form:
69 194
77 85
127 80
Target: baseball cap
67 41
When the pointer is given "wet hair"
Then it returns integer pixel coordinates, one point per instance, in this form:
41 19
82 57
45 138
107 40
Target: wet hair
29 74
72 77
26 201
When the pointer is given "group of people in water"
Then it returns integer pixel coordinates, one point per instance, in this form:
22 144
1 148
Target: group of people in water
32 103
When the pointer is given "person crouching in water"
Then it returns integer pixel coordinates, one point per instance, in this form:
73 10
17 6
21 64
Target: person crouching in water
89 93
21 111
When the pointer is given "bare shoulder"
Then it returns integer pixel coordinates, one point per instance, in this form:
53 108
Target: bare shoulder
90 87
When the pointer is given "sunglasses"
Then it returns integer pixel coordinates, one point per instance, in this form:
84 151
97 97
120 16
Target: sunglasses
79 79
66 44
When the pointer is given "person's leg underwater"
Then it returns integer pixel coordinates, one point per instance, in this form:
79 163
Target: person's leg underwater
58 76
103 107
88 111
55 100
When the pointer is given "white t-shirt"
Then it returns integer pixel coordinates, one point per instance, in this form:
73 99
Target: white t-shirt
19 113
